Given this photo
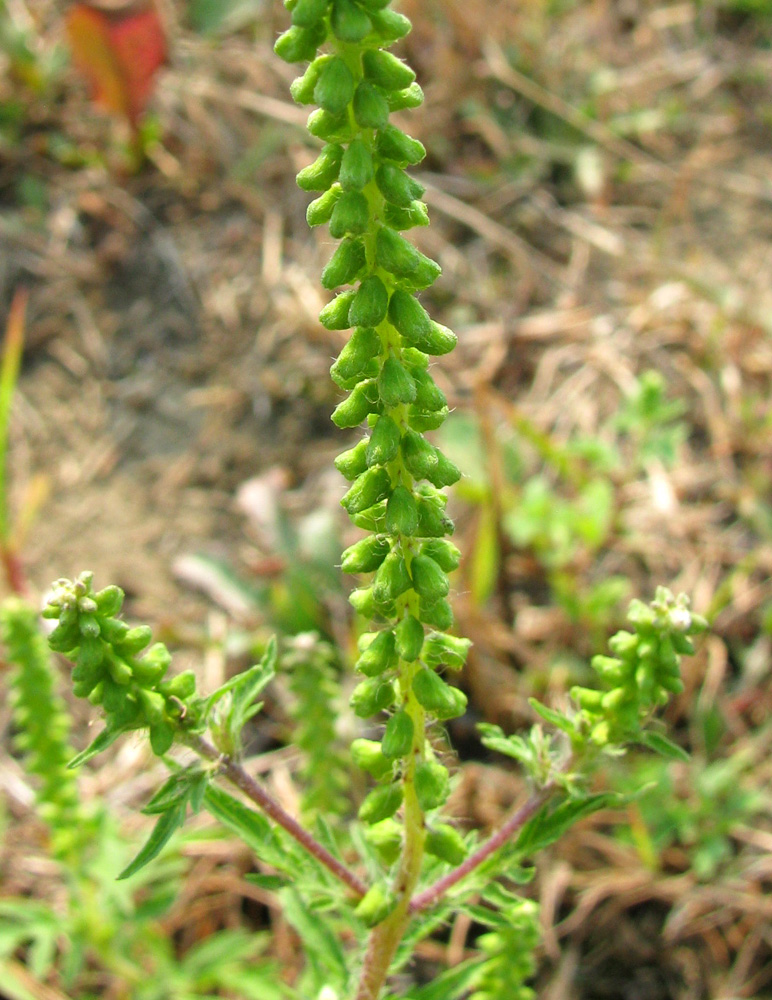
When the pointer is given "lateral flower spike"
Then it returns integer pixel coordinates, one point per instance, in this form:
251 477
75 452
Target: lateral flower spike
365 194
112 670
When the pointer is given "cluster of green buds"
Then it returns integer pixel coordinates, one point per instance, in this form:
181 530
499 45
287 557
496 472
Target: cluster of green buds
397 476
644 671
111 669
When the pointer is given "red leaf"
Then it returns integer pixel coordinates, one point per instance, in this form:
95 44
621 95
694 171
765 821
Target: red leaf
119 53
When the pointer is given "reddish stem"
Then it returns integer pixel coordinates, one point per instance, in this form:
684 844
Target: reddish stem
236 774
431 896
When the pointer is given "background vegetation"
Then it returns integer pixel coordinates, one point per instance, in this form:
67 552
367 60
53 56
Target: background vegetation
598 178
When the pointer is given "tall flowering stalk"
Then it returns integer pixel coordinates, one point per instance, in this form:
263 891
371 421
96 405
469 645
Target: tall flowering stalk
368 200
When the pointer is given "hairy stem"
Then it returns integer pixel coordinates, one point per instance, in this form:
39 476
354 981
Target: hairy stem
254 791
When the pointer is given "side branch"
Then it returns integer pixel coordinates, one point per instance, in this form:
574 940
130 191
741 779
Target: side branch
237 776
431 896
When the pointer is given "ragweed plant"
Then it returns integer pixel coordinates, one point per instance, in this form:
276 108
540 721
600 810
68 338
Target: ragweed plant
361 900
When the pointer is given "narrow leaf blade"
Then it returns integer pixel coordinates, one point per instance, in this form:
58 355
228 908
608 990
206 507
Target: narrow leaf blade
167 823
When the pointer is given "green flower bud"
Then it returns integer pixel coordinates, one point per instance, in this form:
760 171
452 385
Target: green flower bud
88 626
410 97
372 696
381 803
367 489
416 214
421 420
135 640
384 443
334 316
353 410
396 186
161 737
372 519
395 384
431 784
386 839
398 737
353 463
113 630
379 656
345 264
323 172
349 22
408 316
361 600
402 513
443 552
306 13
153 704
320 210
371 109
350 216
366 555
426 273
446 843
437 696
390 26
356 168
393 144
394 253
367 755
153 665
432 520
88 670
445 650
109 601
335 87
392 579
118 669
65 637
299 44
410 638
624 644
357 357
376 904
438 614
438 340
330 128
385 70
180 686
587 698
682 644
371 302
446 473
419 456
428 396
302 87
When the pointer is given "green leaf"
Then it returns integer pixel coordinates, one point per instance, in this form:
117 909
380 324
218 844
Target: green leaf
450 984
557 719
549 824
253 828
514 746
323 948
102 742
180 787
270 882
167 823
244 687
663 746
